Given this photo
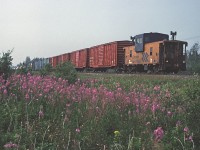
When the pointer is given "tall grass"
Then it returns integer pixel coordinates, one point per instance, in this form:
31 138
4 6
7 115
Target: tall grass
99 112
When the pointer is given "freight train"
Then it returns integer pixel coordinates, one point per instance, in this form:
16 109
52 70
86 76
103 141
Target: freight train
147 52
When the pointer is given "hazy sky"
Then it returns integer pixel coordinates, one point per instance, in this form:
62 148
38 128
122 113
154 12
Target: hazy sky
44 28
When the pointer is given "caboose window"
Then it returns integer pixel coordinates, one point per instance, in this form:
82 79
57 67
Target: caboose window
139 40
131 53
151 51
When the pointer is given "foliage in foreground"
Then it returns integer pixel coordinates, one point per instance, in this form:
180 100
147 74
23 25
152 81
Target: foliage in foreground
49 113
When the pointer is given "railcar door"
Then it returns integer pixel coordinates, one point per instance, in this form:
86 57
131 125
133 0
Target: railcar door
171 56
168 56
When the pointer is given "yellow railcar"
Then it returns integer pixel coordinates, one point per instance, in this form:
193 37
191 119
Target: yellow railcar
153 52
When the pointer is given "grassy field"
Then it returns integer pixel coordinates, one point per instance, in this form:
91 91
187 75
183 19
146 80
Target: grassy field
100 112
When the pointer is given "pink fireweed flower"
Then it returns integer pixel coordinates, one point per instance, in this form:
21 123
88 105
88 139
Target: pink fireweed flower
167 94
158 134
94 91
190 138
41 114
186 129
119 89
68 105
7 83
155 107
27 96
5 92
78 130
10 145
169 113
60 79
157 88
24 86
28 74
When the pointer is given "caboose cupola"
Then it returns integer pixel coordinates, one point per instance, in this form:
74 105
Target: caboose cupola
141 39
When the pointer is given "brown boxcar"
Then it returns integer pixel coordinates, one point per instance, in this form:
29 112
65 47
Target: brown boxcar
79 58
109 55
65 57
73 57
59 59
54 61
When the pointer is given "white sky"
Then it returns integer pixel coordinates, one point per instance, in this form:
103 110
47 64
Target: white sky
44 28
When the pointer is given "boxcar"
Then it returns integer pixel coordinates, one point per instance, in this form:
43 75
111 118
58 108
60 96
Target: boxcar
54 61
107 56
79 59
65 57
59 59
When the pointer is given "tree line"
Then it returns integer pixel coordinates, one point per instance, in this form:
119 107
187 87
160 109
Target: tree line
193 59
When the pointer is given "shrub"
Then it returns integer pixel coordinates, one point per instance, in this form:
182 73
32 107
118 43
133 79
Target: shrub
46 70
66 71
21 70
5 64
193 60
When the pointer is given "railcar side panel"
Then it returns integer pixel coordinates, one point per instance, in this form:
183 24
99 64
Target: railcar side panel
83 58
65 57
120 52
79 58
150 55
54 61
107 55
60 61
73 58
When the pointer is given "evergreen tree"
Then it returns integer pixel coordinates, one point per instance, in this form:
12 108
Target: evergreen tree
193 62
6 64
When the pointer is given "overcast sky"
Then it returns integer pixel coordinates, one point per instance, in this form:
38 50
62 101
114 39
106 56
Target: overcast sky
44 28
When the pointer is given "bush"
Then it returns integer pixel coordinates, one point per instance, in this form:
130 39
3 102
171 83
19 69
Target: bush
46 70
21 70
66 71
5 64
193 60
